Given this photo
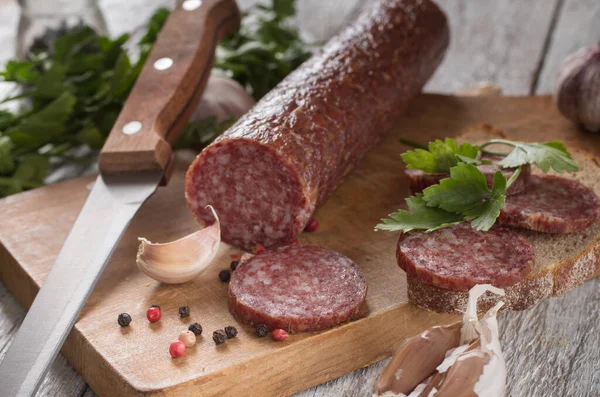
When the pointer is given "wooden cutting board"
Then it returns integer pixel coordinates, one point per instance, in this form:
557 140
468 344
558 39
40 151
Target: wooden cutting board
135 360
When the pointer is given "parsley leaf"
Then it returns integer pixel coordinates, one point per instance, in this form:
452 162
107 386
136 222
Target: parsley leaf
483 216
544 155
465 188
419 216
441 156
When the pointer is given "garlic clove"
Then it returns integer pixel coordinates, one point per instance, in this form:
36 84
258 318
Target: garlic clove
417 359
181 260
223 98
463 375
577 92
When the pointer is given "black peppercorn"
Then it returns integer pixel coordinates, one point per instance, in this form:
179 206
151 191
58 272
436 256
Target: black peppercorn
158 307
224 275
124 319
196 329
233 265
262 331
231 332
219 336
184 311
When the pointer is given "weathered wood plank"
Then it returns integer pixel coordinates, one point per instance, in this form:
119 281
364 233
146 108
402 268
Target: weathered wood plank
578 26
494 41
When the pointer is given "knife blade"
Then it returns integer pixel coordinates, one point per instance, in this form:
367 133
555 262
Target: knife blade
135 159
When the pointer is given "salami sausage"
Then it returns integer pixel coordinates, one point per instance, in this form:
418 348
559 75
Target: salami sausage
460 257
266 175
297 288
419 180
553 205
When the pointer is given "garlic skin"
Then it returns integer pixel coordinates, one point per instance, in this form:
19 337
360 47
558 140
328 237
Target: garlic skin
469 360
223 98
577 92
181 260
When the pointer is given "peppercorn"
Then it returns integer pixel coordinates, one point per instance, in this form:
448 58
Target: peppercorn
312 225
231 332
177 349
233 265
262 330
184 311
219 336
124 320
280 334
188 338
259 249
153 314
196 328
224 275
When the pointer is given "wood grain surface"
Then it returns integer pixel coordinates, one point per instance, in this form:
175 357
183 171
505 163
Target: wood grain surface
551 348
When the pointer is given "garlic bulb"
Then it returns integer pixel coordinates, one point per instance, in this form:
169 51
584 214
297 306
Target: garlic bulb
577 93
450 361
181 260
223 98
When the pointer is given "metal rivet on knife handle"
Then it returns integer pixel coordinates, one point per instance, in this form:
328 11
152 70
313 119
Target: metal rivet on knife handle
163 63
132 127
190 5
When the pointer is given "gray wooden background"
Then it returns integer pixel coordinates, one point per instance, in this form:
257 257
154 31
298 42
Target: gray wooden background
552 349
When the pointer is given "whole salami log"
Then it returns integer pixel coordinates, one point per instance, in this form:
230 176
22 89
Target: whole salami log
553 205
460 257
266 175
297 289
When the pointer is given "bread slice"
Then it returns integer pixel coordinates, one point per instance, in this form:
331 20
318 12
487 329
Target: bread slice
562 261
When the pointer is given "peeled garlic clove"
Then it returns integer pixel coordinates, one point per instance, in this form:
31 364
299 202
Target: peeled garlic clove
417 359
577 93
181 260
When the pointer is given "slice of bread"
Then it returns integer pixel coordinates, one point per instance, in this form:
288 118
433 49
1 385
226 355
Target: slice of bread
562 261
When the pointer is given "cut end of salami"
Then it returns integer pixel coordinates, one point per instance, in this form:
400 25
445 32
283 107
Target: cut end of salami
297 288
243 180
459 257
552 204
419 180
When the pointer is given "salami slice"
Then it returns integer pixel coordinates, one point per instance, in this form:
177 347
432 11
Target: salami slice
267 174
553 205
460 257
419 180
297 288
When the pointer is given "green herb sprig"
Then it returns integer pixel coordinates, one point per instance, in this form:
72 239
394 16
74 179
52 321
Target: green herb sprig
75 85
464 196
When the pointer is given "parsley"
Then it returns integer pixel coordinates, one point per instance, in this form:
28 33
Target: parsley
544 155
75 82
441 156
464 196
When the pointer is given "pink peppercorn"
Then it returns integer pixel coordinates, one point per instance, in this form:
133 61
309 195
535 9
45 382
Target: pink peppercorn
153 314
312 225
280 334
177 349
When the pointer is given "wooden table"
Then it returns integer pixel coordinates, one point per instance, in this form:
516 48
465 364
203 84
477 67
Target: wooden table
552 349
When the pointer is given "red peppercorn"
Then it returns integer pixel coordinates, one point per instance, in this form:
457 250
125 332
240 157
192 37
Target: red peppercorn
259 249
234 256
177 349
153 314
280 334
312 225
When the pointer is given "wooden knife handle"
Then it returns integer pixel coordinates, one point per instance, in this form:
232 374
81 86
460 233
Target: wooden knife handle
169 87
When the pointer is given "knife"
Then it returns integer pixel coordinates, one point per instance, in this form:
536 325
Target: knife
135 159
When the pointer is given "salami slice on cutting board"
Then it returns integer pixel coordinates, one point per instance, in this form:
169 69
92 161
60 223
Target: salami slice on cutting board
267 174
460 257
297 288
552 204
419 180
